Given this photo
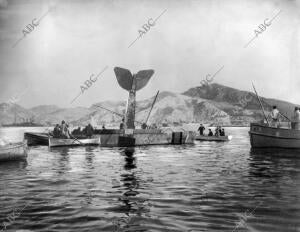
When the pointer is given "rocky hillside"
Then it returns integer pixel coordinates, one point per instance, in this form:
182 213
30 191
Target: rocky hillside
216 104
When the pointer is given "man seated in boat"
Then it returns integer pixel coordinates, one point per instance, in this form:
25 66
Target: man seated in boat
76 131
56 132
89 130
222 132
210 133
201 129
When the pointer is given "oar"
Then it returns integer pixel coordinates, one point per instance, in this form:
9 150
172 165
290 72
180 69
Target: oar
75 138
261 105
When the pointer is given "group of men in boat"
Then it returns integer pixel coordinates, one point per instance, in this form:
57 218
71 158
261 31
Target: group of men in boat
62 131
219 131
276 115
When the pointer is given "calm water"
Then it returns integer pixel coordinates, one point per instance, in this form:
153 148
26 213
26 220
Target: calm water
203 187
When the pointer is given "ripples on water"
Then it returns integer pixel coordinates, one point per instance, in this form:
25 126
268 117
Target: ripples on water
203 187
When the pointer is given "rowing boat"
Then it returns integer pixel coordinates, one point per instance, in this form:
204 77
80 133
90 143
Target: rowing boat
34 139
213 138
15 151
54 142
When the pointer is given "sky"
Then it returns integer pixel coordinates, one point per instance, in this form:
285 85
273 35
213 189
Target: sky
189 40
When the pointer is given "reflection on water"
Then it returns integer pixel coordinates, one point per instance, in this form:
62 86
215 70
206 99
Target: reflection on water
208 186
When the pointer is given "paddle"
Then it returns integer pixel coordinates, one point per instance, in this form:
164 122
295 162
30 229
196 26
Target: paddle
75 138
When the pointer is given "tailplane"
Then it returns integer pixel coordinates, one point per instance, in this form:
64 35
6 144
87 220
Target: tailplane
125 78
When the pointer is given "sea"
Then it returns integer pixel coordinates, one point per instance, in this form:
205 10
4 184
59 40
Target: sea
206 186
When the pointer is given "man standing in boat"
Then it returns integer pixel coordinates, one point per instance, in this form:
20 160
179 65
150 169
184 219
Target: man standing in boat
296 119
122 124
275 116
201 129
64 130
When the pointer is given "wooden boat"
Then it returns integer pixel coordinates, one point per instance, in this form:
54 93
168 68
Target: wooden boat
54 142
143 137
264 136
16 151
34 139
116 138
213 138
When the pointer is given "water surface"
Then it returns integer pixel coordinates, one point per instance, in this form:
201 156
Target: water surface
208 186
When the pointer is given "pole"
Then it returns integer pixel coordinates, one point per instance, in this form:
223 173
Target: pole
261 105
113 112
152 107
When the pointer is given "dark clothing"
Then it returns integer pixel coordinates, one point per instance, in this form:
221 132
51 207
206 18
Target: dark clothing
201 129
89 131
56 132
217 133
76 131
210 133
144 126
121 126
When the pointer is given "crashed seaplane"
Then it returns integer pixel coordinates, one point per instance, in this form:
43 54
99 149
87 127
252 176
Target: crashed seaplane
129 135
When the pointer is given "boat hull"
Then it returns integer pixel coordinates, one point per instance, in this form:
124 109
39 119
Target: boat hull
143 137
214 138
54 142
262 136
12 152
119 138
34 139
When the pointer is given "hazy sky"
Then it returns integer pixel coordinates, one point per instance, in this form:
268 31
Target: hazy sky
190 40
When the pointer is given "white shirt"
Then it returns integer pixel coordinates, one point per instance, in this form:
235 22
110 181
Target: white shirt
275 113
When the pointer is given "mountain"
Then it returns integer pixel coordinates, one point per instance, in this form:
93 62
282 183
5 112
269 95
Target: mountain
44 109
242 106
212 103
67 114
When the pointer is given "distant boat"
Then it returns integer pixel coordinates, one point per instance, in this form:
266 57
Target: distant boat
23 124
15 151
213 138
26 123
54 142
264 136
